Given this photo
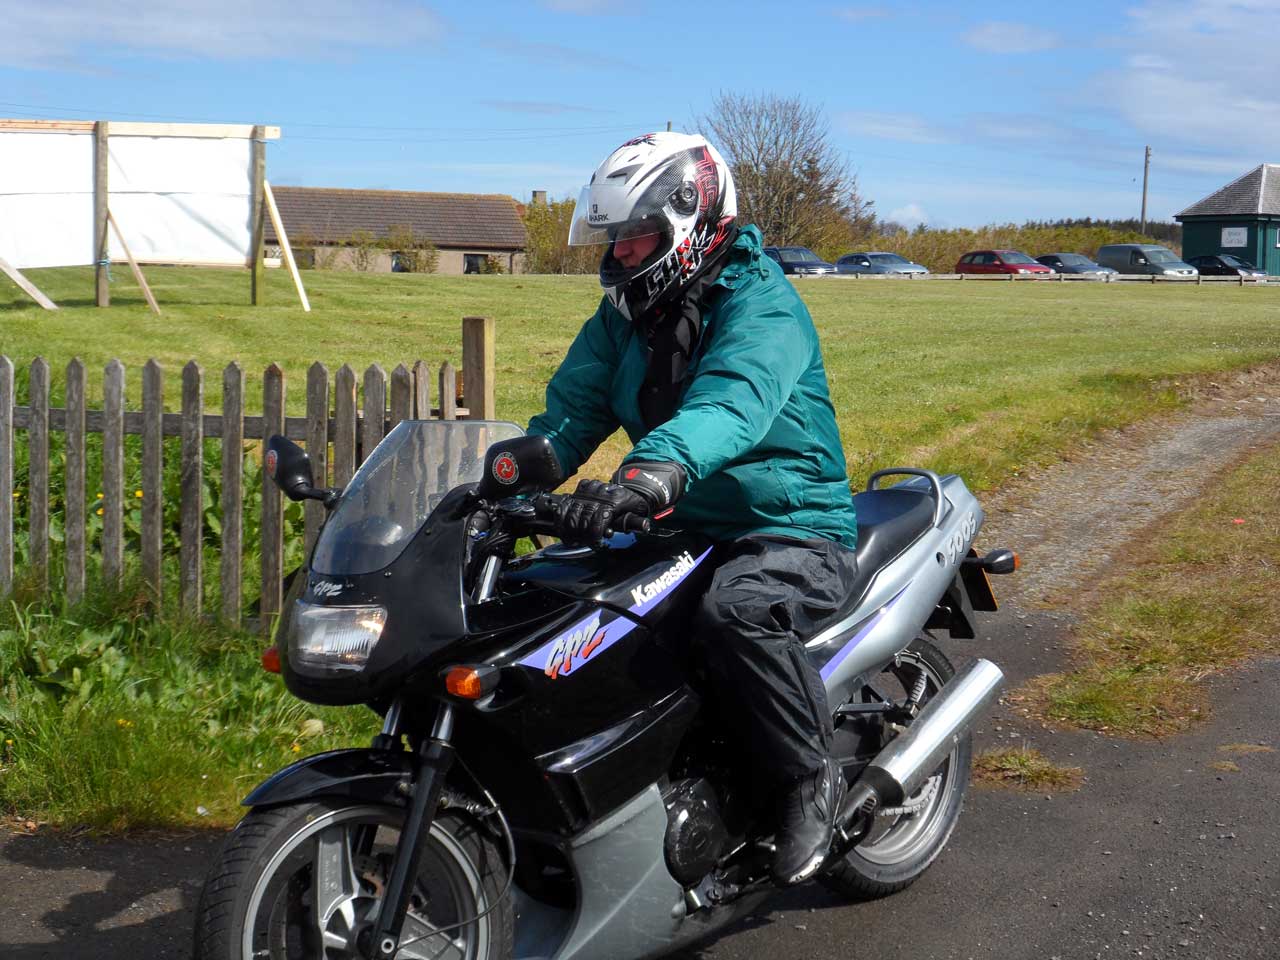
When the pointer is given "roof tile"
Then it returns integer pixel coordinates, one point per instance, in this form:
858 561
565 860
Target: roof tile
1257 192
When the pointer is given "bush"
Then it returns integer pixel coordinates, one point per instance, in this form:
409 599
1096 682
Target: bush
493 264
414 253
364 249
547 247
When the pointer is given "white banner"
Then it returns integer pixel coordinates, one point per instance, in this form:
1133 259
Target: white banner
1235 237
46 199
177 199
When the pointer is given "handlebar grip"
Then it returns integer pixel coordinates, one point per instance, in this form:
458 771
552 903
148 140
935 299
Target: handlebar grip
634 523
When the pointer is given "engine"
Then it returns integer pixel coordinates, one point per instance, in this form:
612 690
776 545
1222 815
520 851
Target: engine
696 834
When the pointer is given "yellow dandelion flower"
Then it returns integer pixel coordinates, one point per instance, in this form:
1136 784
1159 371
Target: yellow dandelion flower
99 494
16 495
8 743
99 511
296 748
123 723
138 494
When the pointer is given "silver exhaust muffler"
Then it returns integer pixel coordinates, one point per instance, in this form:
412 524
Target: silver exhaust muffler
902 767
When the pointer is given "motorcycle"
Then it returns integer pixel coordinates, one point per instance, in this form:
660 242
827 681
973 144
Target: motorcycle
551 779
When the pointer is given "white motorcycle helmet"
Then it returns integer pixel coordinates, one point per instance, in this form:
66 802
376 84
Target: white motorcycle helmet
674 185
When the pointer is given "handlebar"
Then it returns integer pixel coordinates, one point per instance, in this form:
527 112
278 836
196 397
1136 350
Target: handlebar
546 517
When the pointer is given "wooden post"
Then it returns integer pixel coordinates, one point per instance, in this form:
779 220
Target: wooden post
375 409
317 447
401 395
257 173
6 476
38 472
191 509
448 392
232 492
101 257
344 426
153 480
421 390
133 265
272 545
25 285
287 250
112 502
73 501
478 366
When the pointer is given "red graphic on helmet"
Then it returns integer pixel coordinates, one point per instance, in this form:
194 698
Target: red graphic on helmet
271 461
505 469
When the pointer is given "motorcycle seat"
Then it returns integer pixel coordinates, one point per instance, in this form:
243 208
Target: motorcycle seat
889 521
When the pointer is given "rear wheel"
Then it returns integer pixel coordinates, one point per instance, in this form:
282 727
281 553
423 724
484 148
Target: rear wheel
306 881
902 842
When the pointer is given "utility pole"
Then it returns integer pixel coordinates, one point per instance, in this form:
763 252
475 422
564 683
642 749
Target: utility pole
1146 168
668 126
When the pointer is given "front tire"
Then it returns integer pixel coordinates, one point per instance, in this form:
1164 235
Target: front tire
304 882
898 848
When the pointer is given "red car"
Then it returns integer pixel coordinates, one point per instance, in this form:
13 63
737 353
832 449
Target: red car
999 261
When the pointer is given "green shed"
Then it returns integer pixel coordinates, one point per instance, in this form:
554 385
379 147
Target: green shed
1242 219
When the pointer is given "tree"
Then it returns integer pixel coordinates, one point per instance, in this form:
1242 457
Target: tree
414 253
547 247
791 182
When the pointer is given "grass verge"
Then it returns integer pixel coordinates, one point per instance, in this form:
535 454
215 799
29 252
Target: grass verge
112 721
1198 596
1024 768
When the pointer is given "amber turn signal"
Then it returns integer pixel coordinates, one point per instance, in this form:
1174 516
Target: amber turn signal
271 659
470 682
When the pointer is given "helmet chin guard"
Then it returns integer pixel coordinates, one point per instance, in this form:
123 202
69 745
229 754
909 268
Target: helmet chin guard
672 185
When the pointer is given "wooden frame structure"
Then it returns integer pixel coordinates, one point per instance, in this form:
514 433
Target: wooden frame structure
104 220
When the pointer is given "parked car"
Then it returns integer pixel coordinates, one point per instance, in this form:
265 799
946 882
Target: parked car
800 261
1145 258
1074 263
1225 265
999 261
875 262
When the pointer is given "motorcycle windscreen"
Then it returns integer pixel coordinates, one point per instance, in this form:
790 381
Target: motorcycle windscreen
398 486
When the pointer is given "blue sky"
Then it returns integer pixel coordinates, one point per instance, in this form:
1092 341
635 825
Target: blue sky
956 116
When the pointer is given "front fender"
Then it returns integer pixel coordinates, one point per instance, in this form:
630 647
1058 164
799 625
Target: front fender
366 775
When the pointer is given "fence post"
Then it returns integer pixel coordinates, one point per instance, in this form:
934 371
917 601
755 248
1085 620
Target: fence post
38 472
478 366
191 525
232 491
6 476
272 512
375 409
153 480
112 503
73 484
344 426
448 392
317 447
401 395
421 390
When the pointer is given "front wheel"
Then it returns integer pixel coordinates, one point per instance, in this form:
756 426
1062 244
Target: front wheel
902 842
304 882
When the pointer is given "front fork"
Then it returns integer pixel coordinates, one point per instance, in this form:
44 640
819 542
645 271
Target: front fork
434 758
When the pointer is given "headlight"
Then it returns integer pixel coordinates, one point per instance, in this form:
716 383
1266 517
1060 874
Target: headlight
1023 270
1172 273
334 638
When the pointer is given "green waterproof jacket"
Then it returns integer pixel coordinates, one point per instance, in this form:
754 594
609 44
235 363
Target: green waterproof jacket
754 430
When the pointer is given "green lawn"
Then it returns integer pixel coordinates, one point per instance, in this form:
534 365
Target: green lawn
976 377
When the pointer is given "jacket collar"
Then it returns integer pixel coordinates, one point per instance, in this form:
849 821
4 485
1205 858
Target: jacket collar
744 257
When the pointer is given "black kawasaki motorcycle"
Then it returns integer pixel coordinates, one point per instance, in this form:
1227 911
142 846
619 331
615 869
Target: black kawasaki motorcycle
550 780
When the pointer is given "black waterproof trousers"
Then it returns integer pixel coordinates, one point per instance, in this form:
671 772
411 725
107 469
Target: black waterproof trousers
768 595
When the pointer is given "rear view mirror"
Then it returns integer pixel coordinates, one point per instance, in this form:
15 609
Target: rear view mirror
518 466
289 466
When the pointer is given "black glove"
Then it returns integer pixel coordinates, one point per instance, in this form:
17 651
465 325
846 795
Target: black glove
588 515
661 484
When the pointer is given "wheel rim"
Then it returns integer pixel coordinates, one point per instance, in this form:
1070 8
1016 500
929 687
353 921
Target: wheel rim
319 891
899 838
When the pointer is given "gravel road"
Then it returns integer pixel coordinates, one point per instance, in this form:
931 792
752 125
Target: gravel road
1166 852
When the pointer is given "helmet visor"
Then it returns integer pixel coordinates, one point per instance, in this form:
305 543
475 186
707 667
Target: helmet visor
606 212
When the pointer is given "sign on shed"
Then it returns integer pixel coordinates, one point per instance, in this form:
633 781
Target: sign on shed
1235 237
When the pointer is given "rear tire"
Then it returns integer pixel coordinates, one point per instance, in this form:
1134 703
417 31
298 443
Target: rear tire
272 895
898 849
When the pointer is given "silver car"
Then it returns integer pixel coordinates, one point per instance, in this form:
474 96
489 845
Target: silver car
877 262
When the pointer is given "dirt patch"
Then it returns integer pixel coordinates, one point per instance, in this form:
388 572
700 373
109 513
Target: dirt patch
1069 520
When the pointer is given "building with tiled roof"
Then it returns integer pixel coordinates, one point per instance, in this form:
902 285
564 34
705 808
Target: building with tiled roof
1242 219
467 228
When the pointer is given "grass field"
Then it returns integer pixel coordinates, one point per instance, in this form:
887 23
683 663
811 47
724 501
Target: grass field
980 378
110 719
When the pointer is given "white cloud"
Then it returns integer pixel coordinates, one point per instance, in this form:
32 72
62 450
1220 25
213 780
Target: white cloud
908 216
997 36
891 126
61 34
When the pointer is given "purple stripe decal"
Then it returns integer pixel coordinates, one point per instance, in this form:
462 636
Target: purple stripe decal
861 635
584 639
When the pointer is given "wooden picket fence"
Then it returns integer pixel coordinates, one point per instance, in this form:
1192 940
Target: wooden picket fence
338 432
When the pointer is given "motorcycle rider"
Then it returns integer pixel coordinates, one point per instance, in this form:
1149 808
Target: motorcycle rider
704 353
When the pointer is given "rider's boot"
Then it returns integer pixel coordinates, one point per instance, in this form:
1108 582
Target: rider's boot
806 822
